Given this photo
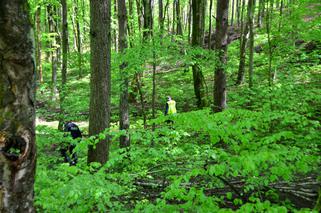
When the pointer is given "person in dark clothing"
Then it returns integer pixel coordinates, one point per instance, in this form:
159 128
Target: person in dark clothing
75 133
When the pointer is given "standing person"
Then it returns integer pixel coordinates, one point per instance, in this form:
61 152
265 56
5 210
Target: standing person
170 106
75 133
170 109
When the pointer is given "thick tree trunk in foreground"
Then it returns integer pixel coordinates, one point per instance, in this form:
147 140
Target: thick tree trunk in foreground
221 51
100 85
123 105
17 112
197 41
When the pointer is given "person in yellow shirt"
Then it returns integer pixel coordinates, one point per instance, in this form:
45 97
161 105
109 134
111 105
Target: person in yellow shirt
170 109
170 106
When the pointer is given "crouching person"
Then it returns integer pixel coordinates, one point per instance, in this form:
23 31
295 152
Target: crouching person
72 130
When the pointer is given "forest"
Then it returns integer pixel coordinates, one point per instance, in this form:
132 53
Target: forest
160 106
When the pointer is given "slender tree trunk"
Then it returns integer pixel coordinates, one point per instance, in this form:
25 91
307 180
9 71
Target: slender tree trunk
189 20
210 26
39 45
64 43
78 39
123 105
148 19
238 12
139 14
197 41
64 62
281 13
251 46
167 13
268 32
100 83
17 108
174 17
243 44
53 53
161 17
221 51
141 96
115 24
232 15
179 29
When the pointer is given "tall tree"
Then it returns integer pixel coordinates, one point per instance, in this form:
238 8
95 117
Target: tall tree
64 62
197 41
148 19
179 28
17 108
221 51
122 43
38 43
54 51
243 44
161 17
100 84
210 25
251 46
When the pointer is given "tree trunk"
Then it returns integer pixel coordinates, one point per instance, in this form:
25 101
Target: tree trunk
64 62
161 17
189 20
221 51
232 15
210 26
39 45
78 39
238 12
53 47
243 44
100 82
17 108
123 104
148 19
174 18
141 96
139 14
179 29
197 41
114 26
251 47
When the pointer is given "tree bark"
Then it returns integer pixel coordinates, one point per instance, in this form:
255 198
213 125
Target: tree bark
123 105
210 26
39 45
243 44
17 108
197 41
179 28
189 20
251 46
161 17
148 19
78 39
64 63
221 51
53 47
100 82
